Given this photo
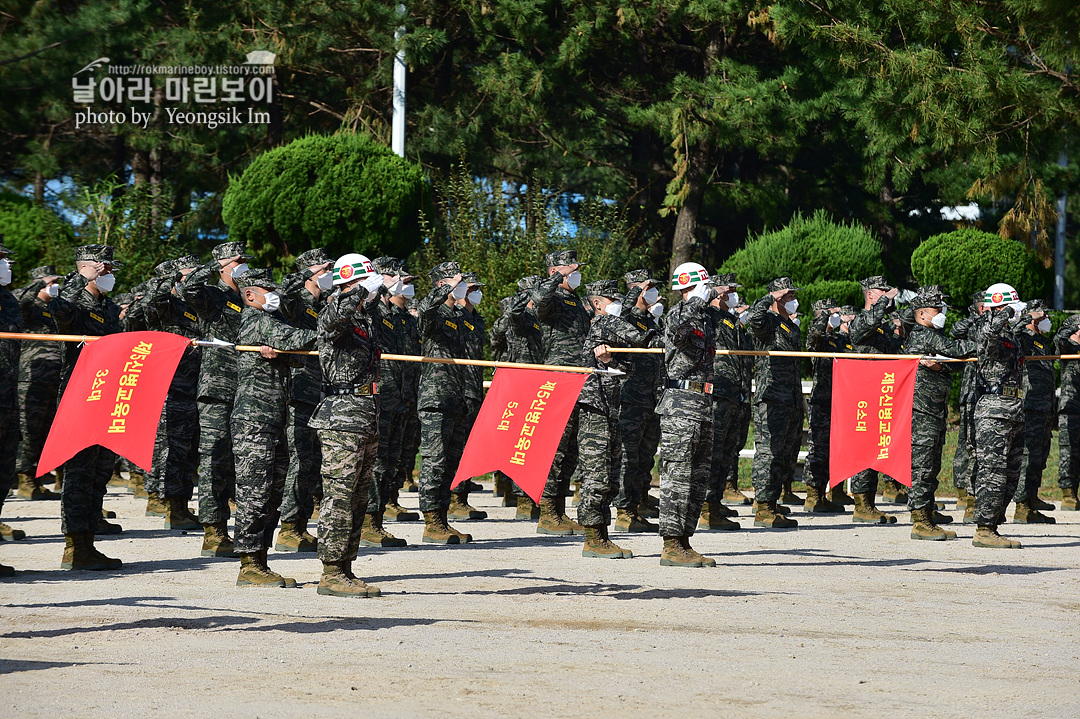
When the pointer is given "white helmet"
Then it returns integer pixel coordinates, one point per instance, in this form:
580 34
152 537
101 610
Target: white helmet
1000 294
687 275
351 267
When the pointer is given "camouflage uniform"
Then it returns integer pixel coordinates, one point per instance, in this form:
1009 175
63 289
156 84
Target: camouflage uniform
964 459
1069 406
39 373
1040 406
260 416
821 338
736 439
347 419
218 307
727 396
11 320
474 336
410 392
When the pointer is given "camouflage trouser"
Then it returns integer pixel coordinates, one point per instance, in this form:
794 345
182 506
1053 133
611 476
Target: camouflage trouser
410 445
443 436
473 409
639 429
262 460
777 432
9 437
927 441
725 430
566 461
964 459
391 425
302 477
1038 427
37 407
1069 450
348 464
599 462
217 469
86 478
816 469
736 443
1000 452
685 456
175 449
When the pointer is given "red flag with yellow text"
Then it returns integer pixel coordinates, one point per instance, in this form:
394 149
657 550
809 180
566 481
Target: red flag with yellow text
871 418
519 426
114 397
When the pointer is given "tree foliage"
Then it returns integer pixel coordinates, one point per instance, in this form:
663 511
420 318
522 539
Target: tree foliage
35 234
968 261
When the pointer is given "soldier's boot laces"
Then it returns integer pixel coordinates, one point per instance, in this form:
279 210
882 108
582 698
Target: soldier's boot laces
104 526
461 509
80 553
463 538
155 505
1069 501
374 535
818 503
789 496
294 538
179 516
253 573
767 514
30 489
675 554
1027 514
334 582
8 534
137 485
1040 504
553 519
216 541
705 561
436 530
713 516
893 491
866 513
599 545
394 512
837 495
289 581
527 509
923 527
627 520
732 495
370 589
987 536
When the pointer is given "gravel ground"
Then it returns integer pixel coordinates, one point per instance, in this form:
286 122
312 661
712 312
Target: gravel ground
832 619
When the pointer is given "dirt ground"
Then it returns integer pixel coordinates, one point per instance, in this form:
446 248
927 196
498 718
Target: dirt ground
829 620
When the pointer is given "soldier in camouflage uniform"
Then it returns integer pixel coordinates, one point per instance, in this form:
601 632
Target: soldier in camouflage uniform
500 350
639 425
442 408
1040 410
212 292
347 419
260 416
964 459
474 335
686 415
1067 342
410 391
564 321
39 379
999 414
733 496
777 400
933 382
11 320
82 308
302 297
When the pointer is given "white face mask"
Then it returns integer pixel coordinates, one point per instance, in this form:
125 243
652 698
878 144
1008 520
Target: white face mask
1044 325
105 283
939 320
733 300
272 300
395 289
5 272
326 281
835 321
474 297
614 309
791 306
657 310
743 316
53 290
650 295
460 290
573 280
408 291
242 268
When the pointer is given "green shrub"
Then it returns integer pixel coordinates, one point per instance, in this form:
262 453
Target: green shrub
968 260
35 235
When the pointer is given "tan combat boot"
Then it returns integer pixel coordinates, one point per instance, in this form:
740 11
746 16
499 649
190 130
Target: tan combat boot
290 583
648 506
576 499
893 491
527 509
7 534
837 495
334 582
922 527
961 499
628 521
294 538
818 503
461 509
463 538
1069 501
117 480
155 505
732 495
137 485
410 485
436 531
370 589
374 535
788 495
179 516
30 489
988 537
216 541
705 561
766 515
713 517
394 512
505 488
254 573
1026 514
106 527
597 544
866 513
554 521
80 553
59 473
677 555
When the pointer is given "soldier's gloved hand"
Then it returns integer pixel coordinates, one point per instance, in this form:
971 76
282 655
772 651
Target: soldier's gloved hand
703 292
1017 308
372 282
835 321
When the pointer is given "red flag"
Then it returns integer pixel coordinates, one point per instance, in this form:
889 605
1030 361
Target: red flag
871 418
114 397
520 425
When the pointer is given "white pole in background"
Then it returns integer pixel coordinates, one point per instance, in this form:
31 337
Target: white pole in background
397 141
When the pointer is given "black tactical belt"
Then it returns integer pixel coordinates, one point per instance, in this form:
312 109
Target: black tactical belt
703 387
1005 391
356 390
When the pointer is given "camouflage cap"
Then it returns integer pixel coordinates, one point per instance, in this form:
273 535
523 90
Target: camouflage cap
139 289
1035 306
387 265
187 262
257 278
927 297
472 279
165 269
934 290
826 303
634 277
724 280
977 298
316 256
604 288
781 283
849 310
96 253
875 282
3 249
43 272
230 249
562 257
527 283
124 298
443 270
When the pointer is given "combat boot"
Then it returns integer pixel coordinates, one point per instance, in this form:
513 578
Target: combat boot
104 526
705 561
676 555
894 492
178 516
373 534
335 583
527 509
59 473
394 512
294 538
866 513
712 517
369 589
988 537
837 495
80 553
1026 514
460 509
7 534
410 485
254 573
216 541
788 495
732 495
962 498
939 517
969 511
137 485
30 489
922 527
818 503
766 515
1041 504
436 530
1069 501
498 488
463 538
155 505
598 545
576 499
648 506
565 521
117 480
628 521
551 522
290 583
108 514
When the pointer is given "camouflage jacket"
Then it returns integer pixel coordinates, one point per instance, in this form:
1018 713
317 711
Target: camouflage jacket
474 335
962 330
218 307
820 339
524 336
728 370
602 392
1069 401
410 345
390 333
778 378
644 380
301 309
349 356
40 361
1001 365
500 348
442 386
165 311
11 320
262 385
932 387
872 332
563 320
1040 382
689 348
77 312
